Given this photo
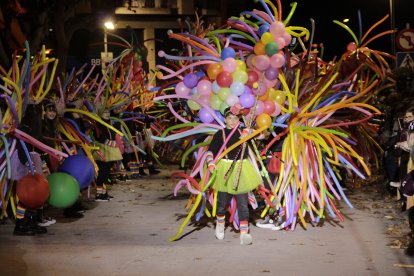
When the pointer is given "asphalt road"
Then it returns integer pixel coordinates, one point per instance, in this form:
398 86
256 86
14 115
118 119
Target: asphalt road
129 236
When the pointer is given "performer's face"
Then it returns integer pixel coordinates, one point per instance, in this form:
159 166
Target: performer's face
106 114
408 117
50 113
231 121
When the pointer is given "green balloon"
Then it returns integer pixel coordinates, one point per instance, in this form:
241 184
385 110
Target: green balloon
215 102
64 190
223 107
271 48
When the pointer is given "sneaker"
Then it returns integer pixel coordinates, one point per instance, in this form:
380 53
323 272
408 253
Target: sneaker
72 214
246 239
22 228
220 231
395 184
278 226
102 197
46 221
154 171
267 223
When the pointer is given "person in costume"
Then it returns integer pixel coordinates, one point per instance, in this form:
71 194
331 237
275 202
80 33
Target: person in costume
105 138
235 175
26 223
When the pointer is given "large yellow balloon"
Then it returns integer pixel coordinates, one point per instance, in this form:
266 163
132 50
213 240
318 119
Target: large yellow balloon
263 120
280 97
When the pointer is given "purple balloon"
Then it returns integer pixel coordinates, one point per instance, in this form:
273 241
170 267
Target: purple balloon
205 116
190 80
271 73
247 99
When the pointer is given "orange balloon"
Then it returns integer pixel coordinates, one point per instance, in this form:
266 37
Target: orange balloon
263 120
265 96
259 48
213 70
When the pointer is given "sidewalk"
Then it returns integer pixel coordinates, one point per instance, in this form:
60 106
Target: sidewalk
129 236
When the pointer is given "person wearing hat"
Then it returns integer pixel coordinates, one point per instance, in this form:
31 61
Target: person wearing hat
235 175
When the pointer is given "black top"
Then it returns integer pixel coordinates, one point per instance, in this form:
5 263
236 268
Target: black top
102 133
218 141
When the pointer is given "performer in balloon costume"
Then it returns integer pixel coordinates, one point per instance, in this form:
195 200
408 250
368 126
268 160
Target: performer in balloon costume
322 108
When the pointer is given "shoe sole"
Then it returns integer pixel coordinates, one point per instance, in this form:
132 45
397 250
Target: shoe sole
265 226
102 200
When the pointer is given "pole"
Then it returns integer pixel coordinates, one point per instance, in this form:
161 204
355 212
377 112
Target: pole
392 19
104 58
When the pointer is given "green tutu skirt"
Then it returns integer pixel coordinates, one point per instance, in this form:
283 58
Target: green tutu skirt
249 177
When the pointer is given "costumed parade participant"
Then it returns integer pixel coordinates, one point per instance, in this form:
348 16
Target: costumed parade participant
321 109
235 175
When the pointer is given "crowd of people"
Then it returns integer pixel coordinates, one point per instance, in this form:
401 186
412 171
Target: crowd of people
114 157
398 164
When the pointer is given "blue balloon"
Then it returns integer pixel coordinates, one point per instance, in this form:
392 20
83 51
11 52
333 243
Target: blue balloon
81 168
228 52
262 29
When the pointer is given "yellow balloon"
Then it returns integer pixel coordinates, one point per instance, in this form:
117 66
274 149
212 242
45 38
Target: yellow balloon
193 105
266 38
263 120
241 65
280 96
272 93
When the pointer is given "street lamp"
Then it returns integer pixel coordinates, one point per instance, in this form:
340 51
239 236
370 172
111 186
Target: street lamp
105 56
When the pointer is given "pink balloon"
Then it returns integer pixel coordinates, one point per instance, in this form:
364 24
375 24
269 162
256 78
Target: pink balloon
281 42
261 62
182 90
229 65
277 60
277 28
287 37
205 99
259 108
270 83
249 61
204 87
278 109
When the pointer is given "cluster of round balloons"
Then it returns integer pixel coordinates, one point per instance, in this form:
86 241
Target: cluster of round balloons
61 189
229 82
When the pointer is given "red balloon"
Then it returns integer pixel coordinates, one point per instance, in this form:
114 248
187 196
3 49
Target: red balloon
252 77
224 79
33 190
269 107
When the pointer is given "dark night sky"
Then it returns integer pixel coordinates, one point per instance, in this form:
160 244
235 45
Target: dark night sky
334 37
